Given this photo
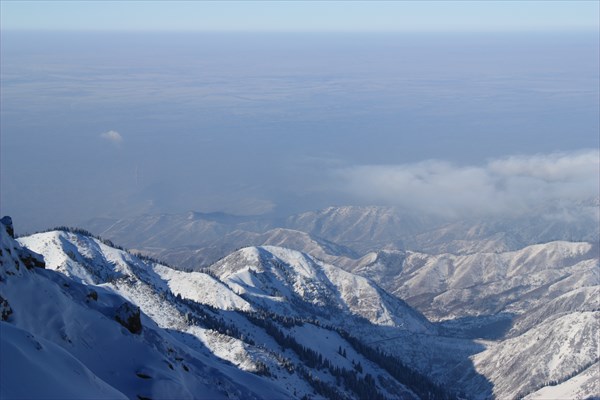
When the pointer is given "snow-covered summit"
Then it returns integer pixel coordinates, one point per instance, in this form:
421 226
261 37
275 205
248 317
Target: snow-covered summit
275 277
89 260
71 340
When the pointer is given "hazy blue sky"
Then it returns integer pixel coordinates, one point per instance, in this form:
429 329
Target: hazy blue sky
355 16
116 123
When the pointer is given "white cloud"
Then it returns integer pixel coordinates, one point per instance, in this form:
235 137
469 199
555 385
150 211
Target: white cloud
112 136
515 184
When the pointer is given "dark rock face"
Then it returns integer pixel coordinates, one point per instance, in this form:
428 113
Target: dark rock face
31 259
5 309
93 295
128 315
7 221
27 257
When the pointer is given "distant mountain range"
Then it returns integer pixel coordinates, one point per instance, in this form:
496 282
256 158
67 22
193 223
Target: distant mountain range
196 240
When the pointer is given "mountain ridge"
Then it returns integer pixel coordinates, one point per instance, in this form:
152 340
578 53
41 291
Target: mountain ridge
144 288
199 242
268 298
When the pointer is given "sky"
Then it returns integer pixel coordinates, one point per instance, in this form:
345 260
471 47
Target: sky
302 16
441 107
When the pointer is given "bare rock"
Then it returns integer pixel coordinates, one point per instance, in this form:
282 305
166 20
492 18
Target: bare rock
128 315
5 309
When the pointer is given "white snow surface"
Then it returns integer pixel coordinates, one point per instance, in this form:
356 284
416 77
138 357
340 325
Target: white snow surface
50 307
201 288
448 286
92 262
552 289
585 385
148 284
32 367
275 277
550 351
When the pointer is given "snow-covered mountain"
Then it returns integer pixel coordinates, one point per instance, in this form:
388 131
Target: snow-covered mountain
173 230
448 286
195 240
551 352
364 228
286 351
371 228
279 278
298 325
194 257
270 278
65 339
584 385
541 305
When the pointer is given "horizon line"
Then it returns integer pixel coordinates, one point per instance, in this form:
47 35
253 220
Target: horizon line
594 30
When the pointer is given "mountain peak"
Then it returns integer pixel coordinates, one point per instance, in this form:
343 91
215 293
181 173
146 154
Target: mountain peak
276 278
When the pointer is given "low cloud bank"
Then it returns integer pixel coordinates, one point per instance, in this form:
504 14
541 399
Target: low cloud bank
512 185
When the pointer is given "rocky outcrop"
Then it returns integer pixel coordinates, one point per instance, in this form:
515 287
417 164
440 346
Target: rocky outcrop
5 309
128 315
92 295
31 259
27 257
7 221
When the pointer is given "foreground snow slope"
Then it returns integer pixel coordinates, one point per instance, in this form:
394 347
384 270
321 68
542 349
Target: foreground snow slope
33 367
80 321
267 276
211 319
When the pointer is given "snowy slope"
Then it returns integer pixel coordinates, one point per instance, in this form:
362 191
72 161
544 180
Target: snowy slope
582 386
234 314
554 350
373 228
207 252
363 228
89 260
210 319
277 278
27 358
80 319
448 286
201 288
149 285
290 283
575 301
540 303
575 222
